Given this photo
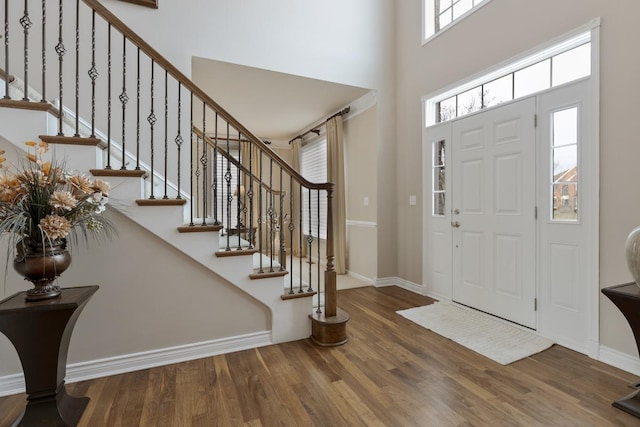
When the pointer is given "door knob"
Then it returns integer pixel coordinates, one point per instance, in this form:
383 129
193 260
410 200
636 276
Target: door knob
456 211
455 224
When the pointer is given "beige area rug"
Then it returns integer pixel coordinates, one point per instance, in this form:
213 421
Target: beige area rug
477 331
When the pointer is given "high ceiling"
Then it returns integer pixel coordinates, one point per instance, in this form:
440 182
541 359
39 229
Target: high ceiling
274 106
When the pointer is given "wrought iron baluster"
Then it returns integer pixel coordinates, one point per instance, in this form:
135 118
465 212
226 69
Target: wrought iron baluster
318 263
77 104
6 49
44 50
239 191
25 21
109 64
203 161
179 139
270 228
191 159
211 194
214 186
166 132
249 226
60 50
291 230
152 122
138 110
260 203
281 226
310 242
197 173
93 74
124 98
300 227
227 179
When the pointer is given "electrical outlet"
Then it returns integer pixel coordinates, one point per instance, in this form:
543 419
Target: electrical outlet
413 200
366 201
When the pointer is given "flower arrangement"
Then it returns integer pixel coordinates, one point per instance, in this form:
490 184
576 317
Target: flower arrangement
42 205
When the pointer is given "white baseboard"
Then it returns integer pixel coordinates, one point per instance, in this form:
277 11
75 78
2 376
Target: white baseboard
361 278
437 296
396 281
14 384
624 361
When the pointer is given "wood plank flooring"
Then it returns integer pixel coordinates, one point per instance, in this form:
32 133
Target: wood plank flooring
391 373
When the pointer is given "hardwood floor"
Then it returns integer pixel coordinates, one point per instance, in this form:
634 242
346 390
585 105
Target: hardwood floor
391 373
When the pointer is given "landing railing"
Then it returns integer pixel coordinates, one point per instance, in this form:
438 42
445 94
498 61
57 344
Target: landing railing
154 120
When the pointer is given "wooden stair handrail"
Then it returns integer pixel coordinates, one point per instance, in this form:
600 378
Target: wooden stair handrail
187 83
4 76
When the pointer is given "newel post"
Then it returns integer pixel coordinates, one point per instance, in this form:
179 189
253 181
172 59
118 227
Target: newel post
329 328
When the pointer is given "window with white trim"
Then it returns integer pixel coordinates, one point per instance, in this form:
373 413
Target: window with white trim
314 169
439 14
439 165
565 141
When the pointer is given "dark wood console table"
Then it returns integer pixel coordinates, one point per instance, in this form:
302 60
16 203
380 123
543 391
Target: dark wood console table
627 298
40 331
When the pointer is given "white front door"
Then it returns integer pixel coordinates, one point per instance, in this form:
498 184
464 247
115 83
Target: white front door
493 212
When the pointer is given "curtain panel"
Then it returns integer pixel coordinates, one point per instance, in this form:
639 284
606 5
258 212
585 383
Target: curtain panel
335 174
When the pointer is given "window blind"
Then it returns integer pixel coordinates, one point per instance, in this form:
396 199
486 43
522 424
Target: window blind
314 169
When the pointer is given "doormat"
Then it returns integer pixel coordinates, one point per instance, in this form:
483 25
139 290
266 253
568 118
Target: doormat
477 331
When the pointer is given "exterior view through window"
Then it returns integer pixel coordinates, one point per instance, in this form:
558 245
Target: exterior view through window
564 147
438 178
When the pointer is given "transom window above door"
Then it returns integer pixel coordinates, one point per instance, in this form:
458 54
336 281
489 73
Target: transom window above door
565 67
554 66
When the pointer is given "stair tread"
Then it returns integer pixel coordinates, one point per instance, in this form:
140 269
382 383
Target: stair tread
268 274
70 140
29 105
197 228
235 252
296 295
160 202
118 172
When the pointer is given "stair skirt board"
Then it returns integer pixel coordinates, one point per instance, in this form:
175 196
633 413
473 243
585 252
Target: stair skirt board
82 371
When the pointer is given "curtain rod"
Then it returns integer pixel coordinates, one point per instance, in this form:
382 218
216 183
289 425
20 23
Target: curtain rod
315 129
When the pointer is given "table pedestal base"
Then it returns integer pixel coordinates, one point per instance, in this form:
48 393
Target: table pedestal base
627 298
60 410
629 404
41 331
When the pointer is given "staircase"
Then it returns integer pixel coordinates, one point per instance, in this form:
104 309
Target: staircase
179 165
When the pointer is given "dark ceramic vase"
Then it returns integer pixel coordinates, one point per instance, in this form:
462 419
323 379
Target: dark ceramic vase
42 265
